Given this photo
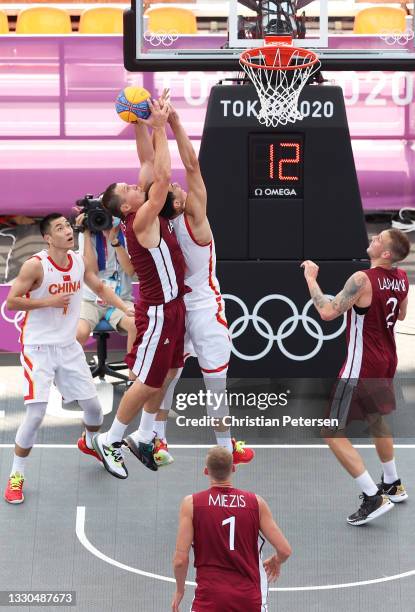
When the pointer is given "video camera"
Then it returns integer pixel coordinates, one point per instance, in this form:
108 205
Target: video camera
96 217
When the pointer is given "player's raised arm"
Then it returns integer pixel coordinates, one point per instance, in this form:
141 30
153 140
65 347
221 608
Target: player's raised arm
29 277
196 201
352 291
273 534
145 150
183 545
148 213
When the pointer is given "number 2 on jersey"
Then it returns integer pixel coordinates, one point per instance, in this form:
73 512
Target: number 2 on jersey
390 319
231 521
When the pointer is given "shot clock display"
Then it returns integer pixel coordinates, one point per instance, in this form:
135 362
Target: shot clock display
276 165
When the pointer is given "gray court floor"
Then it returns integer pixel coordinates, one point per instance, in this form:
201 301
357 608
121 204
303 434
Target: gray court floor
78 524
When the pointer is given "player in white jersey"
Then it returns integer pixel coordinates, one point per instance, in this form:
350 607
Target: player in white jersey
207 336
49 289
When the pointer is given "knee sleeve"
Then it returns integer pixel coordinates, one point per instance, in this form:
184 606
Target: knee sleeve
27 432
93 415
217 402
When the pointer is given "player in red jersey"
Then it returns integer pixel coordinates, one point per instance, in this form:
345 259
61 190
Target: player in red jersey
159 264
224 525
374 300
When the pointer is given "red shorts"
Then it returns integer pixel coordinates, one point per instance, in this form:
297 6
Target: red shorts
356 399
158 346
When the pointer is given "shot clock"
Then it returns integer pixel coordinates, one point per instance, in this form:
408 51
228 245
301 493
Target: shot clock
276 165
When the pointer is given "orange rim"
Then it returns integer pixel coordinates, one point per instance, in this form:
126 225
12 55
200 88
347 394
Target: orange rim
260 50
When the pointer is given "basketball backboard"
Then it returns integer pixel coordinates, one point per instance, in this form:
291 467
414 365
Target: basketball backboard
156 42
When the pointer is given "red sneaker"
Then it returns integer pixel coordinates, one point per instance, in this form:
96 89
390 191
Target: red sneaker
241 453
161 452
14 490
85 449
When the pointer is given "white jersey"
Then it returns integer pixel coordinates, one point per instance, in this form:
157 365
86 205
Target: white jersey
200 273
55 325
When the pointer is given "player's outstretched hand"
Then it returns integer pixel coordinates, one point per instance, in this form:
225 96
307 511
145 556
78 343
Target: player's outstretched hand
272 567
159 115
173 116
310 269
176 601
60 300
165 97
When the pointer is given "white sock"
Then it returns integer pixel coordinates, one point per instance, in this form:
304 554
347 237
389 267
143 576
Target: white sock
116 432
160 429
88 437
145 432
389 472
223 438
366 483
18 465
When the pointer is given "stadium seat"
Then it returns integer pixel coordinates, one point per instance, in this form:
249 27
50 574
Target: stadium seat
102 20
379 19
43 20
166 19
4 24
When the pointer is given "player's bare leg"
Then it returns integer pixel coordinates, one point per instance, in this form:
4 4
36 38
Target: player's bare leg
374 504
390 484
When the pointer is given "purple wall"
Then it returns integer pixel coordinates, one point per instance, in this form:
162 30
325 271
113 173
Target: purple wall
60 137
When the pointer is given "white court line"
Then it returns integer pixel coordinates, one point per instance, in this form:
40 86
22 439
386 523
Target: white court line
80 532
265 446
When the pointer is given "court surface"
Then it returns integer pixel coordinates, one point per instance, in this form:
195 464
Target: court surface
112 541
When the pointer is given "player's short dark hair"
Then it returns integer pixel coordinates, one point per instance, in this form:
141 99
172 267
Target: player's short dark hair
400 244
112 202
168 211
219 462
44 225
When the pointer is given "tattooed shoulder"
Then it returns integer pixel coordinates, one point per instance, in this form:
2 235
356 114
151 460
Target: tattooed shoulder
346 298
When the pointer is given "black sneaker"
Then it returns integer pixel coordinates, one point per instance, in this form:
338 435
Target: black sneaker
143 451
372 507
396 492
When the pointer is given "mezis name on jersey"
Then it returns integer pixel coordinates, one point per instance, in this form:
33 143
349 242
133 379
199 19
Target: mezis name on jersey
227 501
392 283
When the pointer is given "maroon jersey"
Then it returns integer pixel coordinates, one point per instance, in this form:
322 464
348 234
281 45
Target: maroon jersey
229 572
371 349
160 270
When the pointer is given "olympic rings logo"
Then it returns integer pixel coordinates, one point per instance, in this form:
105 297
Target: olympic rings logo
18 317
166 39
400 38
285 329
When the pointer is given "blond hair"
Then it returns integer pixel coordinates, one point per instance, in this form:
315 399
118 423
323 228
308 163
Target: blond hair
219 462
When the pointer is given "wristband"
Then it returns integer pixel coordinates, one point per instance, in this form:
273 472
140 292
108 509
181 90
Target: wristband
115 244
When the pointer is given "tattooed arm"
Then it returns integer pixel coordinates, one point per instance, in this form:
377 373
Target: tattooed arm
349 295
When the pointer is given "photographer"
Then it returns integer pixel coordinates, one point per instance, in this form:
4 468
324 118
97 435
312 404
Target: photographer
105 251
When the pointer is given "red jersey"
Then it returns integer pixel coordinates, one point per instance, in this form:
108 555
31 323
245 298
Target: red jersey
371 348
227 550
160 270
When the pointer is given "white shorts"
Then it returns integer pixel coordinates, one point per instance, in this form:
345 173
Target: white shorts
64 365
207 338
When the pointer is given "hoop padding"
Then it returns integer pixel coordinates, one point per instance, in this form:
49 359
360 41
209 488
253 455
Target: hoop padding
279 73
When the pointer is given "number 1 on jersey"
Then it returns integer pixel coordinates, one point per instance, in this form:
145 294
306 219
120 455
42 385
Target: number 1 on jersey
231 521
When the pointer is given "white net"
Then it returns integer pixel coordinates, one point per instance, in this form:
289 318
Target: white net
279 89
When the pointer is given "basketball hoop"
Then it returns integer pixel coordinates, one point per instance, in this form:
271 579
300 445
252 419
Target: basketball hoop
279 72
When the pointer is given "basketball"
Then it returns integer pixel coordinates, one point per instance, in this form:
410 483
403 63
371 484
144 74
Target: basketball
132 103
